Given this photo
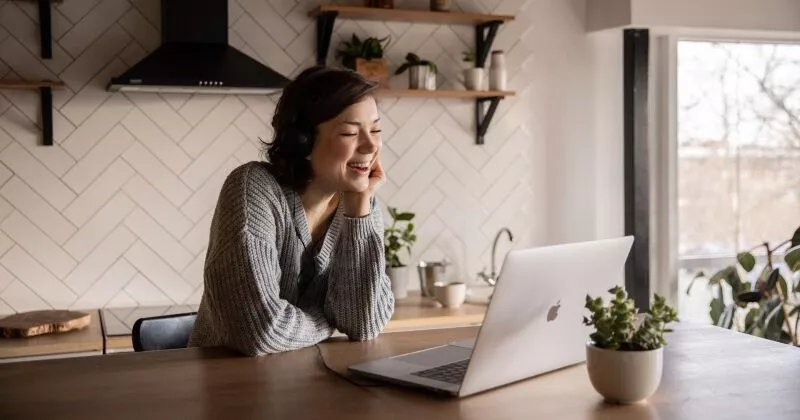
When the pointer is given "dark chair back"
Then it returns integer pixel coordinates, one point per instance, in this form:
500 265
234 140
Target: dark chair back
163 332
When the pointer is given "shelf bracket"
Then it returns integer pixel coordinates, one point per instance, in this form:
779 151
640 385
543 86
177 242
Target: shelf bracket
325 22
484 117
45 29
46 94
484 40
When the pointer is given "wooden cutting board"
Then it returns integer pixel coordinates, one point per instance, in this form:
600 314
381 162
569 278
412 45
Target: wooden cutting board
29 324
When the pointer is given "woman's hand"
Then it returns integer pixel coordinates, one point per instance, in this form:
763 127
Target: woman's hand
357 204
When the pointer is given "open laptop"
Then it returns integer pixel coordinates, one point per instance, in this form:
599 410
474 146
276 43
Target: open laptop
533 324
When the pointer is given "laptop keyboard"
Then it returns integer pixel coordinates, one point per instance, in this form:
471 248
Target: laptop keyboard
452 373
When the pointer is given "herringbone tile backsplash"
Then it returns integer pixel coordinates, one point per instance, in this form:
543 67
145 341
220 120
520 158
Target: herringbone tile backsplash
117 212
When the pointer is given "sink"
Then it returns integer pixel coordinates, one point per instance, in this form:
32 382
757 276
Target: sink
479 294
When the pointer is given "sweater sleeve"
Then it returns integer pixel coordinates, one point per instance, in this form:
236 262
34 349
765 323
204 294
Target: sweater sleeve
242 281
359 301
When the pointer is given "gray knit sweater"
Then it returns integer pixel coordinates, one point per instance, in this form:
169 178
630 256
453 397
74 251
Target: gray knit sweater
268 291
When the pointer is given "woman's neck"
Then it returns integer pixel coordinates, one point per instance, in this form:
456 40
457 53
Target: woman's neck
319 204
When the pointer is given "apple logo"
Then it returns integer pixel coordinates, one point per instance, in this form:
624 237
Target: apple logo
552 314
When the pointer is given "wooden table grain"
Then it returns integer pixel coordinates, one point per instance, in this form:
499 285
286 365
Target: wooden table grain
709 373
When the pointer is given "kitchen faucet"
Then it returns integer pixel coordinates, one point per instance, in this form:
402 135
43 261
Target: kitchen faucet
491 278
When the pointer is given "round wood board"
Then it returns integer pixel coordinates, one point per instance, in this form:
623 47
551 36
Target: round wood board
29 324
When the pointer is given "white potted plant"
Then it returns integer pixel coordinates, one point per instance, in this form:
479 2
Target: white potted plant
624 360
421 73
396 238
473 76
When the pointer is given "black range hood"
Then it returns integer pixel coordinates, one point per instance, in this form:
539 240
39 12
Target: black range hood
194 56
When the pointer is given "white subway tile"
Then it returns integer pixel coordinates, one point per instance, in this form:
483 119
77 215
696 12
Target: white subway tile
197 238
99 226
158 207
158 239
142 30
158 272
98 193
37 278
95 58
212 126
156 141
270 21
408 163
23 62
99 260
22 299
97 126
145 293
121 300
159 111
19 24
210 160
98 159
149 167
88 99
27 202
194 271
205 198
108 286
42 248
462 169
75 10
6 278
88 29
198 106
28 135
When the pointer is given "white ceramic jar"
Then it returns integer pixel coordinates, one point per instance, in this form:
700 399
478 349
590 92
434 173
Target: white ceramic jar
624 377
497 71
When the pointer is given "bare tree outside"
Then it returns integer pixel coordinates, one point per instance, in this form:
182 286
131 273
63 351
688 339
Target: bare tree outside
739 147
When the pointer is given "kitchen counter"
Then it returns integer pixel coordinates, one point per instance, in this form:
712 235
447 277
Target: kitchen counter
110 329
84 342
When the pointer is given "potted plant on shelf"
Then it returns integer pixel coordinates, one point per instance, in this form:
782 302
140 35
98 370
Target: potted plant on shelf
421 73
397 238
473 76
762 306
366 57
625 361
381 4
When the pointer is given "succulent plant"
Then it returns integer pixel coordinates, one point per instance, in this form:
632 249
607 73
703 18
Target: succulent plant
413 60
368 49
615 327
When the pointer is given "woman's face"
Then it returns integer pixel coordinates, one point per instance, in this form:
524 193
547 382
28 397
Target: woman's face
346 147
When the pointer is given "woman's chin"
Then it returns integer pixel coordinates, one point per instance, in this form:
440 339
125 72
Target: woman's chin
356 186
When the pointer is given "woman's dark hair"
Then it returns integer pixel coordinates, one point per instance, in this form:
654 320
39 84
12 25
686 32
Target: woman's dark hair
318 94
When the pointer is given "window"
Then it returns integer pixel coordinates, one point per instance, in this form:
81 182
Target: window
738 155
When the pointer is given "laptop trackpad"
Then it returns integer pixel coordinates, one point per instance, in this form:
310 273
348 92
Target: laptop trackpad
437 356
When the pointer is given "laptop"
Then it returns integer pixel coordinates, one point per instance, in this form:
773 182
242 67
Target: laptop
533 324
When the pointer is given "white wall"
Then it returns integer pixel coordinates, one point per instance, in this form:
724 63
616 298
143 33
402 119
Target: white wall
117 212
742 15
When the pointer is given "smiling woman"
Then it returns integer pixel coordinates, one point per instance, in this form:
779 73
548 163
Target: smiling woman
296 243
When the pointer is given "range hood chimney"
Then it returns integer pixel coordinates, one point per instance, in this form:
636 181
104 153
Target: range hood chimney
194 56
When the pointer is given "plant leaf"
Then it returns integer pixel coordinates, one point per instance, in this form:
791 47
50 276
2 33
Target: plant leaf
716 309
691 283
726 320
746 260
794 310
784 287
405 217
796 238
772 280
749 320
721 274
792 258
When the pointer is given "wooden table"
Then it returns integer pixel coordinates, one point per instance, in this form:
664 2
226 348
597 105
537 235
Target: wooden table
709 373
83 342
410 314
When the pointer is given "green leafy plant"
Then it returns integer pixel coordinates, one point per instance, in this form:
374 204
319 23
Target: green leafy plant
413 60
468 56
396 237
615 327
763 307
369 49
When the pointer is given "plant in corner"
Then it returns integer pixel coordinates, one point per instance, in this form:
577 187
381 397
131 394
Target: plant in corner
763 306
473 76
366 57
396 238
420 72
624 360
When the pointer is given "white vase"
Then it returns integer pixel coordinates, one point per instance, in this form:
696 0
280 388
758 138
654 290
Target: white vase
624 377
473 78
418 77
430 84
398 276
497 72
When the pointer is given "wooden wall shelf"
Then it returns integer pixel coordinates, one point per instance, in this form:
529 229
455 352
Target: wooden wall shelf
401 15
486 27
45 88
457 94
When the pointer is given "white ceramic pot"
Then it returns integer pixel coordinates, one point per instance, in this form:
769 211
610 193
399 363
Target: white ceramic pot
418 77
473 78
624 377
398 276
